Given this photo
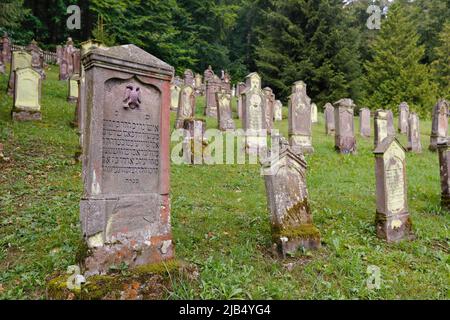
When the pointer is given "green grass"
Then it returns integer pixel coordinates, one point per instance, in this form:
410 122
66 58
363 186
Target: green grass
220 218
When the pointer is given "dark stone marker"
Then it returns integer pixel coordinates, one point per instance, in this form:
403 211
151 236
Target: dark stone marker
212 87
444 162
393 222
364 122
186 106
287 199
2 65
329 119
414 144
225 118
125 209
403 118
345 141
380 124
439 125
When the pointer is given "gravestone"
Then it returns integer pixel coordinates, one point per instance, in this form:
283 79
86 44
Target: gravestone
393 222
186 106
59 54
198 82
299 119
226 82
364 122
278 111
20 60
174 97
314 115
193 141
212 87
189 78
253 114
414 144
208 74
125 209
444 165
439 125
72 84
2 65
225 118
403 118
240 88
37 58
270 105
66 66
6 48
380 124
27 95
345 141
390 123
287 199
76 59
329 119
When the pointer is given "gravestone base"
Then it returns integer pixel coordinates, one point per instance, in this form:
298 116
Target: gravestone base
394 228
22 115
301 144
290 241
433 144
346 146
72 99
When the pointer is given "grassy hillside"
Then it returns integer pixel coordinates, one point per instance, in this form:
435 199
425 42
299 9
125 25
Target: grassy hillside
220 218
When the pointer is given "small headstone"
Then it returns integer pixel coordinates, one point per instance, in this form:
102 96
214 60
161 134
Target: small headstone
270 105
27 95
37 58
403 118
314 113
287 199
20 60
186 106
174 97
444 162
393 222
72 95
329 119
240 89
194 141
364 122
300 124
189 78
225 119
345 141
390 123
212 87
380 124
125 209
439 125
6 48
278 111
414 144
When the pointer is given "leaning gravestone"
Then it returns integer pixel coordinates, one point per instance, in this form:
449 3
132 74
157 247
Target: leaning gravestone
287 198
300 125
186 106
20 60
390 123
403 118
393 222
72 84
364 122
345 141
27 95
444 162
6 48
174 97
380 121
314 115
212 87
329 119
414 144
225 119
270 105
125 209
278 111
37 58
439 125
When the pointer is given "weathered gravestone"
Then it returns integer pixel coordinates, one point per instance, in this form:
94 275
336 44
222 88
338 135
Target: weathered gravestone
393 222
208 74
300 125
27 95
37 58
66 65
380 121
403 118
76 59
189 78
278 111
314 113
226 82
270 105
414 144
364 122
6 48
345 141
212 87
240 88
390 123
193 141
225 118
329 119
125 209
20 60
2 65
186 106
287 198
198 81
174 97
444 164
439 125
72 84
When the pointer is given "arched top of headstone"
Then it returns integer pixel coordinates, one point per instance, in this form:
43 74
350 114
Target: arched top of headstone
404 105
387 143
346 103
253 80
299 87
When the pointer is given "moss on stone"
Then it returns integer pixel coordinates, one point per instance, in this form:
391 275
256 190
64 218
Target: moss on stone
305 231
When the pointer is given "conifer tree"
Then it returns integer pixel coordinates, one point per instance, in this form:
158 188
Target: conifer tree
441 66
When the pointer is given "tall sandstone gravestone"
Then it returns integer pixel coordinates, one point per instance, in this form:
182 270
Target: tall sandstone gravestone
403 118
414 143
345 141
329 119
364 122
175 91
393 222
439 125
444 165
270 105
27 95
287 198
20 60
186 106
314 113
390 123
37 58
212 87
278 111
6 48
225 117
380 124
66 66
125 209
300 125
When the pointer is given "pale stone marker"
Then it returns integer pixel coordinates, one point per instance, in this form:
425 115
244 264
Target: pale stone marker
270 105
27 95
393 222
287 199
174 97
329 119
186 106
194 141
189 78
278 111
380 121
6 51
212 87
414 144
403 118
300 125
314 113
20 60
72 84
364 123
439 125
125 209
444 162
240 89
225 119
345 141
390 123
